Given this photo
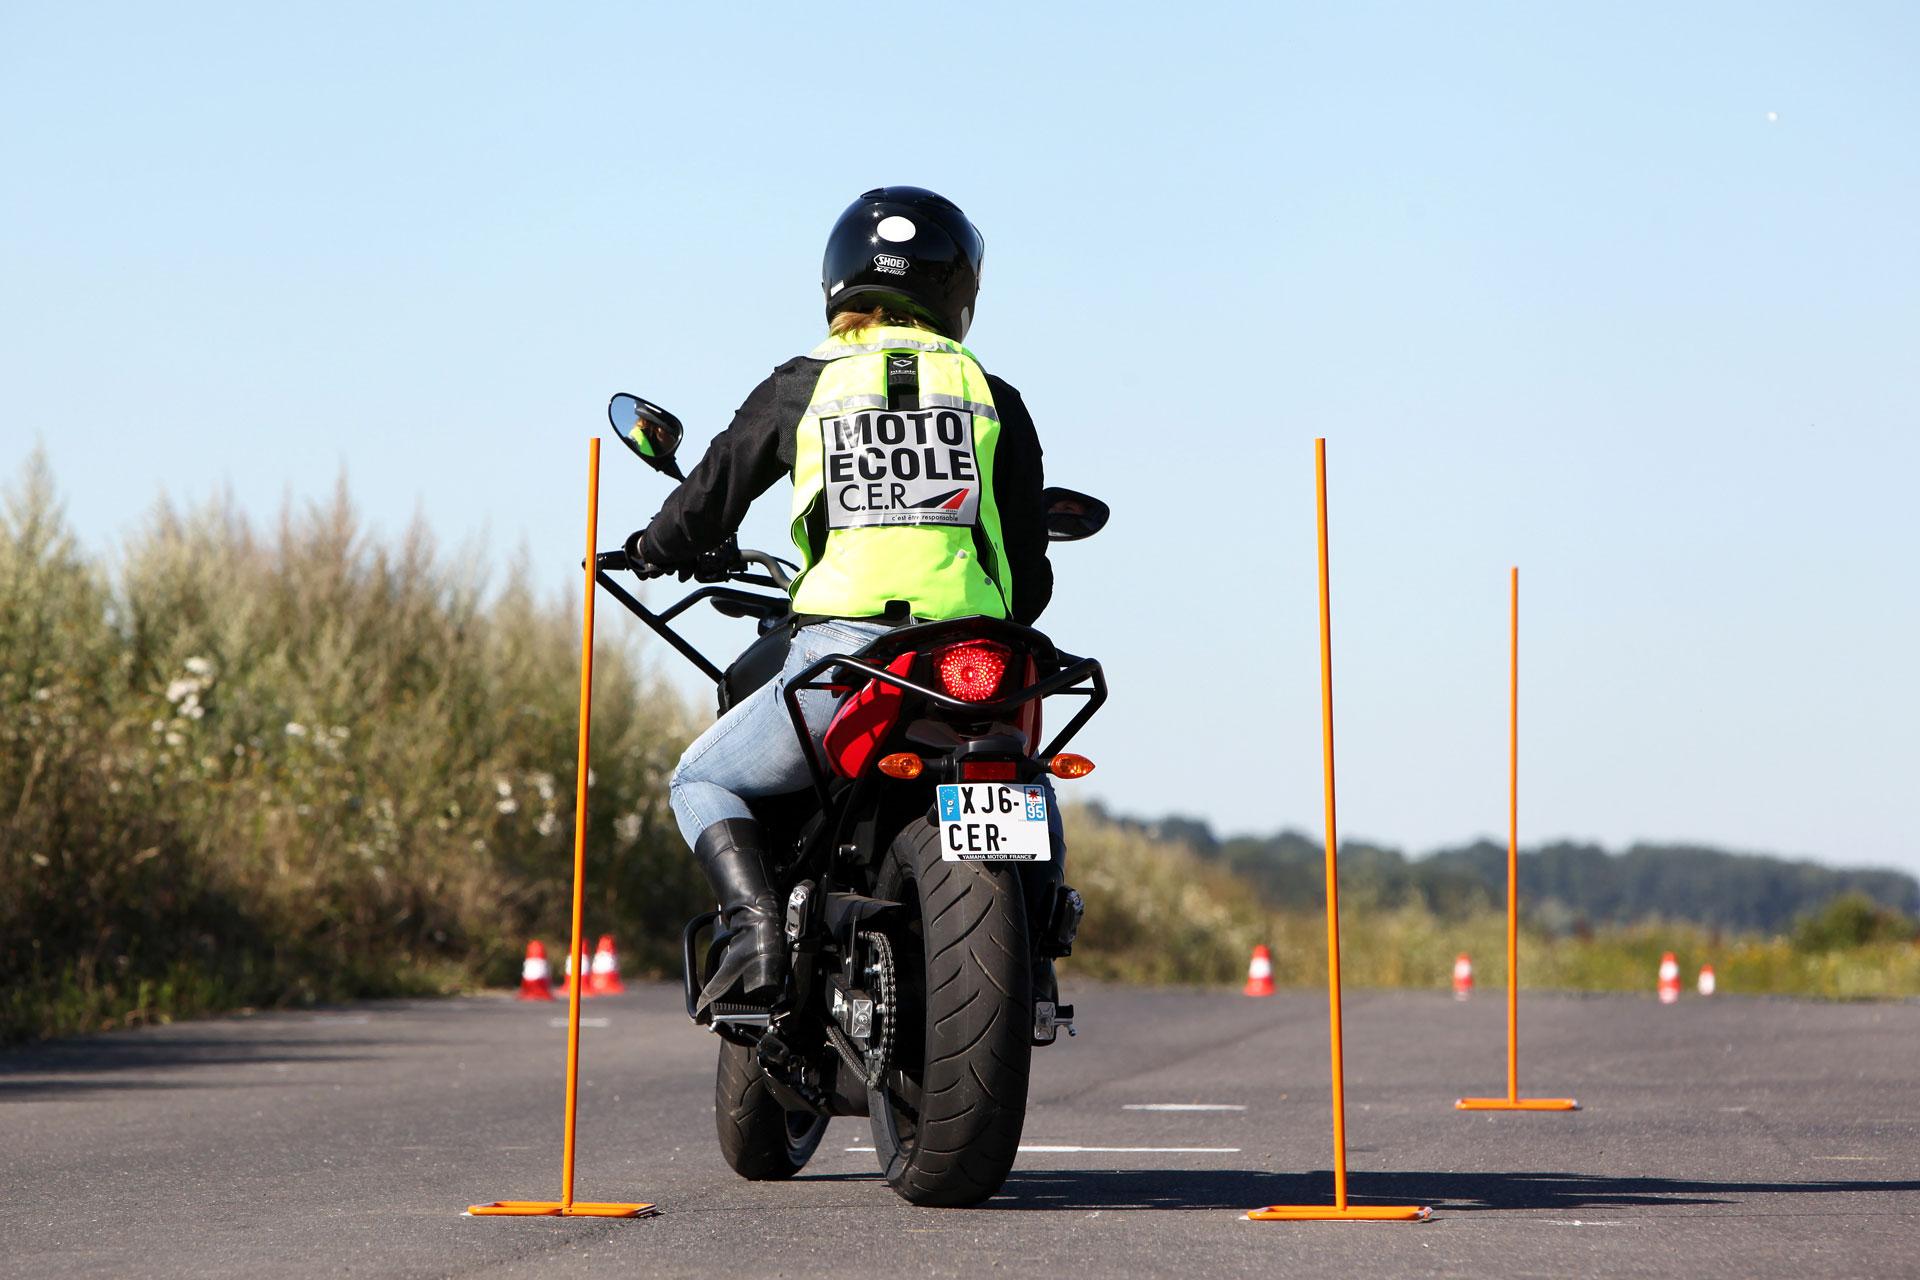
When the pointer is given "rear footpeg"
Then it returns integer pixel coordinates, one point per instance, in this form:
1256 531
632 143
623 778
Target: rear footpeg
740 1015
1048 1018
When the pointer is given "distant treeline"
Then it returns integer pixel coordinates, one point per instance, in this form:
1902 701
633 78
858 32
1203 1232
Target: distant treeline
1568 887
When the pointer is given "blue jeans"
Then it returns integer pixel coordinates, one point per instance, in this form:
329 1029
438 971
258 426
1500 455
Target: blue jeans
752 750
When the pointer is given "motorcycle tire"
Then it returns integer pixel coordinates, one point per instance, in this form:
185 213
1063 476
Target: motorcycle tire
947 1119
761 1140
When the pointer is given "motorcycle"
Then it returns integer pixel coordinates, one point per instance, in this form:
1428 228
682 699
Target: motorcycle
921 873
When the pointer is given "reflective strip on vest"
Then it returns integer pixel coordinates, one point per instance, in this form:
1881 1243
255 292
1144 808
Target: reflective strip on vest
898 495
836 348
827 408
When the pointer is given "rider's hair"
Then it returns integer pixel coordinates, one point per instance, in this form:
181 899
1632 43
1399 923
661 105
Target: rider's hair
846 322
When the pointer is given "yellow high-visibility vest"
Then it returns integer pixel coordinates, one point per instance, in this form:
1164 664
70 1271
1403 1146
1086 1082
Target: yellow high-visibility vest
898 504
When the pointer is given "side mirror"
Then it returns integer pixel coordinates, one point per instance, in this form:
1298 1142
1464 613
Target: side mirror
1072 516
648 430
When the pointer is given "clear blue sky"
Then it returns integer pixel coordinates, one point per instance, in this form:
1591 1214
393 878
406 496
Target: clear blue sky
1626 294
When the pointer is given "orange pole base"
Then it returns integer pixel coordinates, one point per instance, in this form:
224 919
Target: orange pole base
555 1209
1352 1213
1524 1104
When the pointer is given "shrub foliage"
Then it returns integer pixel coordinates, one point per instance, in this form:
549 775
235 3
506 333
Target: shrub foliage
251 769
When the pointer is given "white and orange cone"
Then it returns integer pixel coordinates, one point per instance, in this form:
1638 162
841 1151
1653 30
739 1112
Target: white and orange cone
604 977
1707 984
1260 972
584 966
1462 977
535 979
1669 979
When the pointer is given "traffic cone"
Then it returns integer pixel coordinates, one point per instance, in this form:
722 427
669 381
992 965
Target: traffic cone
604 977
1706 980
1260 972
535 983
585 966
1669 979
1462 977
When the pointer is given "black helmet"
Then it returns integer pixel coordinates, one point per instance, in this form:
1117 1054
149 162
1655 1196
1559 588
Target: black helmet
908 248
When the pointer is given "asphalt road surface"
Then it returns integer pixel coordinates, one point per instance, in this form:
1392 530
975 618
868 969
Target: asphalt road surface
1722 1137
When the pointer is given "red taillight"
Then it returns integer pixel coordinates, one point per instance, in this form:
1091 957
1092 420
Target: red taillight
972 670
988 771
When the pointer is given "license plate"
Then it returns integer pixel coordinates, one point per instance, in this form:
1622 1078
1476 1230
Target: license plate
994 822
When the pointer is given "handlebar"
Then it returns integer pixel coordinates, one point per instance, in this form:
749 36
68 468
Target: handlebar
772 564
724 563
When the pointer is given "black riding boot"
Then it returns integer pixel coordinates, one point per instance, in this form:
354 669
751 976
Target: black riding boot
754 968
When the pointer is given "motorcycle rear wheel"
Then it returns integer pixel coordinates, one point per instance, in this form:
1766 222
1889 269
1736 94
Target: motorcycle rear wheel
761 1140
947 1119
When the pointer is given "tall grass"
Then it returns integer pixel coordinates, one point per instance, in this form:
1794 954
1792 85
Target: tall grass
255 768
1158 912
271 767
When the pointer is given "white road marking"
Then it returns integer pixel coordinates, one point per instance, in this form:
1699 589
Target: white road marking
1181 1106
585 1022
1210 1151
1882 1158
1577 1222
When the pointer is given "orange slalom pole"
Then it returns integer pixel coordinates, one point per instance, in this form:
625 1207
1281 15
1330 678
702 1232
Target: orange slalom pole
578 985
1341 1209
566 1206
1334 1038
1513 835
1513 1101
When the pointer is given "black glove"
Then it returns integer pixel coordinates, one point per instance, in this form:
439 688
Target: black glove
637 560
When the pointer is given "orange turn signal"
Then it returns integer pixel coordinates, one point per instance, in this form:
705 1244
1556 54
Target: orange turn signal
902 764
1068 765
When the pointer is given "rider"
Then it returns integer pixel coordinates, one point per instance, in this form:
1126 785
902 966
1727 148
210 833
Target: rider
929 509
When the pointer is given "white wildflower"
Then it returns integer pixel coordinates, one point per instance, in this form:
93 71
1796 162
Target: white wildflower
338 733
174 739
42 695
543 783
627 827
191 708
502 787
295 729
159 727
199 667
508 806
548 824
182 688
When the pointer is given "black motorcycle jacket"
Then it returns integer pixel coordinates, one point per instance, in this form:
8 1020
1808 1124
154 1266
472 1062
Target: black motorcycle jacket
757 450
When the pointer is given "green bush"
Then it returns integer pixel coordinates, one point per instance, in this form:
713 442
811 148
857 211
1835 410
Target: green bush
1850 920
258 770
